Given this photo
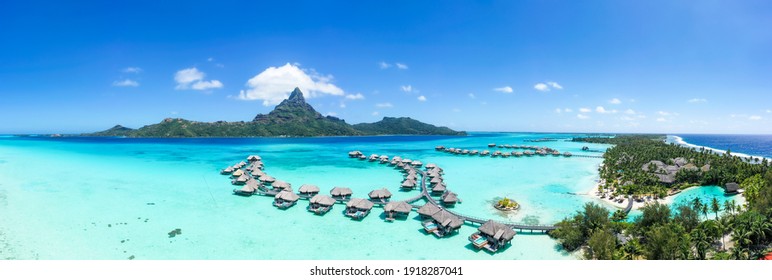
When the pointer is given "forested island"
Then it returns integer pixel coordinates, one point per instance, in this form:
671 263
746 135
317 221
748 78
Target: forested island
293 117
639 165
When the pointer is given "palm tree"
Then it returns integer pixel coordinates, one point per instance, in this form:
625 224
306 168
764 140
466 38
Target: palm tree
632 250
715 206
729 206
697 204
704 211
701 243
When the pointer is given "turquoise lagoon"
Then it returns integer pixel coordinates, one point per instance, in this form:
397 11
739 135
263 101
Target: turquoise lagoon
116 198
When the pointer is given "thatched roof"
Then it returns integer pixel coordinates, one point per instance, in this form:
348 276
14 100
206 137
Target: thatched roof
254 158
281 184
257 173
398 206
266 178
380 193
449 197
731 187
408 183
250 188
237 173
417 163
340 191
359 203
323 200
253 183
228 170
411 177
288 196
306 189
445 219
659 166
436 180
497 231
439 188
243 178
428 209
430 166
679 161
705 168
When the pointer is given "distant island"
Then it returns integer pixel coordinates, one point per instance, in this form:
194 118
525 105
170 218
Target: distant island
293 117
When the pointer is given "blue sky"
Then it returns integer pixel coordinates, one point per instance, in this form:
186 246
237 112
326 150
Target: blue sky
562 66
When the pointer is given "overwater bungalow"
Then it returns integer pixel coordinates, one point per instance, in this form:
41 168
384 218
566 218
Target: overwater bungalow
430 166
227 171
442 224
396 209
373 157
257 173
555 153
428 210
496 153
528 153
341 193
237 173
507 146
473 152
257 165
449 198
240 180
320 204
249 188
411 177
362 157
505 155
436 180
439 189
281 185
517 154
417 163
307 190
485 153
491 145
354 154
464 151
267 178
358 208
492 236
242 164
285 199
254 158
382 195
439 148
408 184
567 154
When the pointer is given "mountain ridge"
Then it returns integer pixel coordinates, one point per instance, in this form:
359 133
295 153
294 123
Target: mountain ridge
293 117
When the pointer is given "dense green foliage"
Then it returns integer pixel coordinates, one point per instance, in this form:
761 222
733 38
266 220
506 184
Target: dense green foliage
293 117
403 126
697 230
623 166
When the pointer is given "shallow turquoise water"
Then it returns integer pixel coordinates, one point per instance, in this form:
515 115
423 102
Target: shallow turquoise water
112 198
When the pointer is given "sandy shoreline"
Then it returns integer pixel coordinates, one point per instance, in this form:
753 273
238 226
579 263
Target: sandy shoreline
680 141
638 205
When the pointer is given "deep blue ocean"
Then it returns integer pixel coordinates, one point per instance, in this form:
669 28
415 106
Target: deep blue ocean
755 145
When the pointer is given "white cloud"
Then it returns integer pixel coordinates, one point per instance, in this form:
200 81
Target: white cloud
506 89
568 110
615 101
407 88
627 118
582 117
472 96
134 70
194 79
585 110
422 98
555 85
630 112
384 105
698 100
663 113
126 83
384 65
754 118
357 96
769 111
558 110
342 105
204 85
332 114
602 110
541 87
661 119
274 84
401 65
375 113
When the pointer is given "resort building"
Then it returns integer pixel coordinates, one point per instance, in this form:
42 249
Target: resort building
492 236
